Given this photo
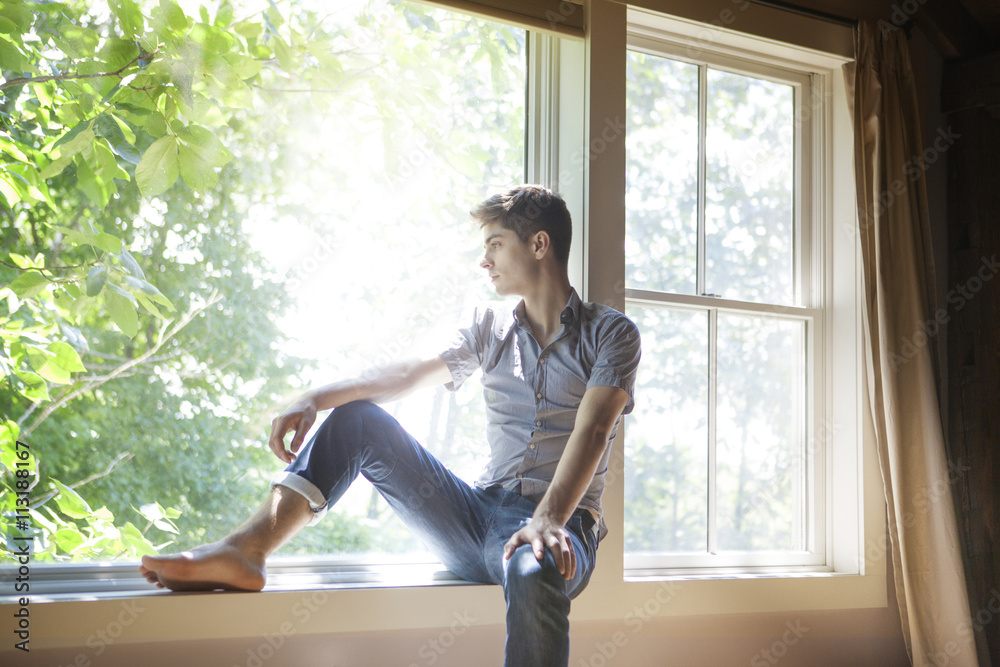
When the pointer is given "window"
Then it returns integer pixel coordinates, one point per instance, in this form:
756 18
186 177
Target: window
723 273
345 212
378 250
717 329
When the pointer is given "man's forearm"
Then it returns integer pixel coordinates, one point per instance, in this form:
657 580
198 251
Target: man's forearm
572 478
381 385
598 412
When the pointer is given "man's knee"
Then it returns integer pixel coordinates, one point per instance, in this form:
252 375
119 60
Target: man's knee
527 576
351 416
357 409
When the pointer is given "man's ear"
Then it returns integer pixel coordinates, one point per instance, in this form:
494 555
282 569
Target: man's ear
541 244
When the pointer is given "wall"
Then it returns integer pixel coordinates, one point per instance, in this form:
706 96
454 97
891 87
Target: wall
972 100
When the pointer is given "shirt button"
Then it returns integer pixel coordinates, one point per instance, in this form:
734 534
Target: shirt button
519 475
538 422
531 446
538 395
541 360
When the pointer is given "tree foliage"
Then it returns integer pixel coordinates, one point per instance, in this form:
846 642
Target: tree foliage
142 354
114 124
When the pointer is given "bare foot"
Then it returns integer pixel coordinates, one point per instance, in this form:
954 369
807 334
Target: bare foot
219 565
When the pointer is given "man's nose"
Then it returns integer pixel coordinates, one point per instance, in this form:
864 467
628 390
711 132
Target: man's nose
485 262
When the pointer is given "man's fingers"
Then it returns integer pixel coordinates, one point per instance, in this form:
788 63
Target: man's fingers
300 434
572 562
562 552
513 543
539 548
557 544
277 441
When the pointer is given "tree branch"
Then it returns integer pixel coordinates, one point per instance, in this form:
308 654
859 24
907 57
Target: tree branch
166 333
20 81
122 458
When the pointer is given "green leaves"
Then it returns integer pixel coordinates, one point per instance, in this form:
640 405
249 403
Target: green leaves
55 363
70 503
97 277
129 17
122 312
194 154
159 167
29 284
200 152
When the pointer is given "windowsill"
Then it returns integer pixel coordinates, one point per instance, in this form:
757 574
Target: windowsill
110 580
717 574
393 597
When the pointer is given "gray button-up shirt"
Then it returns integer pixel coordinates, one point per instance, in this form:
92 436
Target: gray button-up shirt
532 394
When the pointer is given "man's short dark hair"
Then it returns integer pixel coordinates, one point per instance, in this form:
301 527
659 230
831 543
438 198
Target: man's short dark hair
527 210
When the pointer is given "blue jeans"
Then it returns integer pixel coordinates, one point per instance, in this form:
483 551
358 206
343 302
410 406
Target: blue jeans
464 526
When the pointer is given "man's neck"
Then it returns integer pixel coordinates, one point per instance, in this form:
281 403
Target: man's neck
544 306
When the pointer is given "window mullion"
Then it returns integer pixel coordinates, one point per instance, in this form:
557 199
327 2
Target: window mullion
702 173
713 368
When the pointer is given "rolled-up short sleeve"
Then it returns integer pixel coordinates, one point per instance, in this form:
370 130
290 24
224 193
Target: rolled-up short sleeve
464 355
618 352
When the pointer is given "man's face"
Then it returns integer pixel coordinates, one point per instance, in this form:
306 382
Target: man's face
509 262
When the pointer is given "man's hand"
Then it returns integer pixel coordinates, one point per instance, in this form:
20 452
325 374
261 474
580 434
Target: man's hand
544 534
298 417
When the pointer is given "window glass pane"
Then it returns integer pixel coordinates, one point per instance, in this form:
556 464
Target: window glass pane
760 417
661 199
750 166
666 446
338 238
378 249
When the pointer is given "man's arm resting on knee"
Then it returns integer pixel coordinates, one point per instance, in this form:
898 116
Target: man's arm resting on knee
380 385
595 418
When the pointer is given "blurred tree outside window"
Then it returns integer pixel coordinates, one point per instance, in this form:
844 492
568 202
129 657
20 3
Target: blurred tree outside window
205 210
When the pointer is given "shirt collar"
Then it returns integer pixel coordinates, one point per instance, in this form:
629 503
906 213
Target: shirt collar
569 315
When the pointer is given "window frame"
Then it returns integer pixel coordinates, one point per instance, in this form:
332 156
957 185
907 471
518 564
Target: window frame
809 262
839 436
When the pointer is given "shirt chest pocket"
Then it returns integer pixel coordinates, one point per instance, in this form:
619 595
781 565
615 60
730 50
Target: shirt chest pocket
563 385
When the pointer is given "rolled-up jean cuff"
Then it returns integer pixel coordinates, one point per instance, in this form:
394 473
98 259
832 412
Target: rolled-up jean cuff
306 489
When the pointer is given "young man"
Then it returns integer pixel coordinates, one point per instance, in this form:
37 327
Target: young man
558 374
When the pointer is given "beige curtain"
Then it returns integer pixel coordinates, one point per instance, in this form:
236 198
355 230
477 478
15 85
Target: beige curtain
899 311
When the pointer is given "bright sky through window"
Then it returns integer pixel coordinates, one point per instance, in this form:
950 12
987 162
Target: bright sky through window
373 239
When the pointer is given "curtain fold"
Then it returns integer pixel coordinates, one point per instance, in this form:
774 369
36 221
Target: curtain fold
894 232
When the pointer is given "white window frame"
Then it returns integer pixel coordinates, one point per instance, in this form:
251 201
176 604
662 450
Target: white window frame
827 306
809 260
